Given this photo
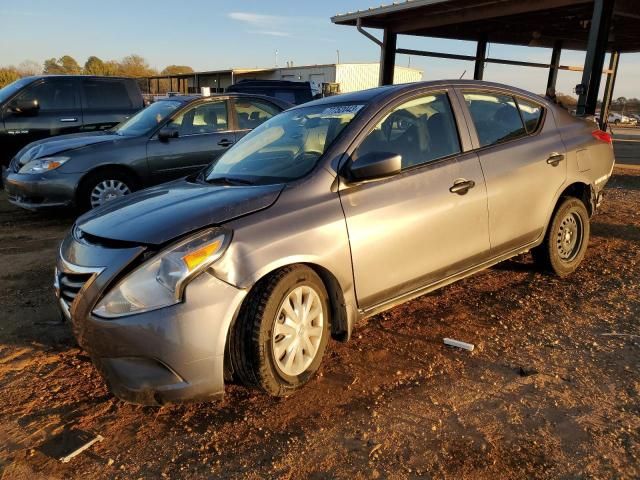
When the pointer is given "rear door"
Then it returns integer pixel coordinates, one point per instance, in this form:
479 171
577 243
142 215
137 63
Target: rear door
105 103
522 157
59 112
204 133
411 230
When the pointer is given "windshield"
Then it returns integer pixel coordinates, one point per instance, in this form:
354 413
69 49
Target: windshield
284 148
7 91
145 120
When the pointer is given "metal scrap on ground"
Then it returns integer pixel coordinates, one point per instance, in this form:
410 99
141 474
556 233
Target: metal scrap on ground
82 448
457 343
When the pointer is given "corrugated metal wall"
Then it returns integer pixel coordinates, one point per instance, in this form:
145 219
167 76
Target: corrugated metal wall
360 76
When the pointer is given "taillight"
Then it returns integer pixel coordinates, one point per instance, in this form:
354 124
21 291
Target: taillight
602 136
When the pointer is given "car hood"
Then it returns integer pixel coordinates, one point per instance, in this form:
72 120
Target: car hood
160 214
63 143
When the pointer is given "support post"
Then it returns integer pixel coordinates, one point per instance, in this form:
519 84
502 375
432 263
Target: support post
608 89
554 66
481 56
387 57
594 60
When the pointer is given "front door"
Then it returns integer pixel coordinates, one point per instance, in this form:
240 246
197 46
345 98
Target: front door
522 157
204 134
58 113
416 228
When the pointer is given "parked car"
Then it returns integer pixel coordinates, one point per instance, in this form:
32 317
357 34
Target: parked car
618 118
34 108
170 138
329 212
292 92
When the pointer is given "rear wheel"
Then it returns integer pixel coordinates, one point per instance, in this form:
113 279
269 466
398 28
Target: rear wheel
282 330
566 240
102 187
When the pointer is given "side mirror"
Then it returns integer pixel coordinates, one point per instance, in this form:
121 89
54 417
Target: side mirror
25 107
166 133
375 165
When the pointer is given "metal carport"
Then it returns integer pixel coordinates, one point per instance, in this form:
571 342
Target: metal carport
595 26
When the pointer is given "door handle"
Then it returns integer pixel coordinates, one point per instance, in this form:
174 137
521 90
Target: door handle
462 186
69 119
225 143
555 158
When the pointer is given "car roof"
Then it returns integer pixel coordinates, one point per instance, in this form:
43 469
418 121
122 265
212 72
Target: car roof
195 97
38 77
390 91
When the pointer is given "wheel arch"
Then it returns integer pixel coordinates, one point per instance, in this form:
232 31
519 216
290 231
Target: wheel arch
578 189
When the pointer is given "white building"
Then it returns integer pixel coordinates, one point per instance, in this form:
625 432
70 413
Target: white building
350 77
341 77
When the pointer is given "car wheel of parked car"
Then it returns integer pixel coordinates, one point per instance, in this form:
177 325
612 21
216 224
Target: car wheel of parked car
102 187
566 240
282 331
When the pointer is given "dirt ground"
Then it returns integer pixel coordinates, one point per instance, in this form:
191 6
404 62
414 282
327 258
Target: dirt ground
551 391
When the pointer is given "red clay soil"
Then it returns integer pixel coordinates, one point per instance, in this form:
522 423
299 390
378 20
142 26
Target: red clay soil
551 390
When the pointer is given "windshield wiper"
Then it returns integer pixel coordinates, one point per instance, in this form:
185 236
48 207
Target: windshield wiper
229 181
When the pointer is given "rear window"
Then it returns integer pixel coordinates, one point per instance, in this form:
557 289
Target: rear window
531 114
106 95
499 118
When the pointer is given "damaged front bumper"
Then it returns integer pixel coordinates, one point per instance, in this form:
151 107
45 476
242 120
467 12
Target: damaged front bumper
167 355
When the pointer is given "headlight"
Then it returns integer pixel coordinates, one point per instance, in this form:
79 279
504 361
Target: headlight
43 164
160 281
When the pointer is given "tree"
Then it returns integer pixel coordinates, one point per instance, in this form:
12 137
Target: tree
135 66
94 66
69 65
8 75
65 65
176 70
51 67
29 68
111 68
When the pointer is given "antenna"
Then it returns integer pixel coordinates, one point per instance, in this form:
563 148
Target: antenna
463 74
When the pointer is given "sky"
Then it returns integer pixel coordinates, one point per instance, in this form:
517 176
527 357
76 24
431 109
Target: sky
216 34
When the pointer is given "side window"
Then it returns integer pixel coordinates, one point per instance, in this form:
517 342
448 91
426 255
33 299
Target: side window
54 94
209 117
531 114
420 130
105 94
495 117
252 113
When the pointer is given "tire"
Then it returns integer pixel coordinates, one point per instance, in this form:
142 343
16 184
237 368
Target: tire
113 182
257 353
566 240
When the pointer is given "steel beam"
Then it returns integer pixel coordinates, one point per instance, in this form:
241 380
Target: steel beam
481 56
554 66
608 89
387 57
594 60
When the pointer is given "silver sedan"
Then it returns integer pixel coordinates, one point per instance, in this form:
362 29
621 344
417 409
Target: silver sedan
329 212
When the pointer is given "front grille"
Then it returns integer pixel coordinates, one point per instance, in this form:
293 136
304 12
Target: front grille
70 284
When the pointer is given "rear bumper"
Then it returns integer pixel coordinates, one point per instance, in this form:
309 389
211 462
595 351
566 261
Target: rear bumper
172 354
35 192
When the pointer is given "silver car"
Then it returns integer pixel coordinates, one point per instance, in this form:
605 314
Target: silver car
329 212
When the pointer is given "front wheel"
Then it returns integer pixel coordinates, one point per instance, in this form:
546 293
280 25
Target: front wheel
282 331
565 242
102 187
